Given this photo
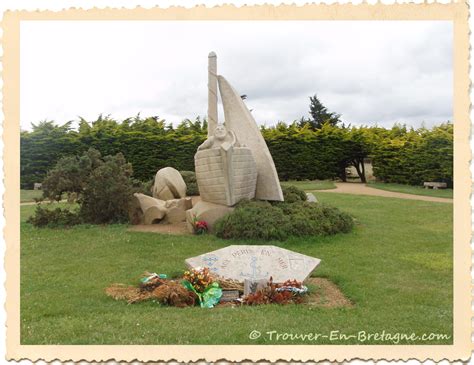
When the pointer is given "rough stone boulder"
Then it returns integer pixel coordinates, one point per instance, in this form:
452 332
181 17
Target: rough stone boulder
169 184
310 197
205 211
147 210
177 210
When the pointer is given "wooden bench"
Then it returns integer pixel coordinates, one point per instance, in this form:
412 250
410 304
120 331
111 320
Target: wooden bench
435 185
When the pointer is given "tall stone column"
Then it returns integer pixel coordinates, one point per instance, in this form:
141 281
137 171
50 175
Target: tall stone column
212 94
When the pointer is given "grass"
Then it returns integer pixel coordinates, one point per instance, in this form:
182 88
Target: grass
396 266
30 195
311 185
410 189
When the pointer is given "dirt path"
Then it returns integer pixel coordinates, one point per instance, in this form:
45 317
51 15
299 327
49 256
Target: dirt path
362 189
176 228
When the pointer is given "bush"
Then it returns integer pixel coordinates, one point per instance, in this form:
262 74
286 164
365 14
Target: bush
292 194
264 221
70 174
52 218
107 195
143 187
253 220
315 219
103 187
189 178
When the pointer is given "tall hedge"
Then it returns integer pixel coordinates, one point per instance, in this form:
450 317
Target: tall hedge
301 153
148 144
400 155
414 156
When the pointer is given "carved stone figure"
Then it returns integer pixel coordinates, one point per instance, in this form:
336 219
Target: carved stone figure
220 138
225 173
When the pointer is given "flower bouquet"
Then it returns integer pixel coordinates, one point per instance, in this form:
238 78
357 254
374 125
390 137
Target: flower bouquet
200 227
201 282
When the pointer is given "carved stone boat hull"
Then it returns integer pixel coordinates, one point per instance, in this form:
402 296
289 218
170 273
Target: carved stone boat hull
226 177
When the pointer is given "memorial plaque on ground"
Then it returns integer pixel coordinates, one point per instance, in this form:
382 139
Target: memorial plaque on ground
229 295
255 262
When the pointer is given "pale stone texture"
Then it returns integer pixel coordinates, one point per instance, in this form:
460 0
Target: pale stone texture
252 286
176 210
435 185
256 262
234 163
147 210
310 197
239 120
169 184
212 94
154 215
205 211
229 296
225 177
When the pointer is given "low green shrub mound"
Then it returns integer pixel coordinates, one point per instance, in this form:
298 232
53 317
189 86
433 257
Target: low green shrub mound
264 221
259 220
312 219
293 194
53 218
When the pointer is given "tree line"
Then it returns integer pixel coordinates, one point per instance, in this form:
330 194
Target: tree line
301 150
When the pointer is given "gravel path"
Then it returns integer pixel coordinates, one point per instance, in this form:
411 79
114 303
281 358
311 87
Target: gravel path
362 189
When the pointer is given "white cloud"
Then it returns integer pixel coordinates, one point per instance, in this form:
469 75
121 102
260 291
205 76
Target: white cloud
368 71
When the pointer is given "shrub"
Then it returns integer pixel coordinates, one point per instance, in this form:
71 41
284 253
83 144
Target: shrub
265 221
52 218
102 185
143 187
293 194
314 219
107 195
189 178
253 220
70 174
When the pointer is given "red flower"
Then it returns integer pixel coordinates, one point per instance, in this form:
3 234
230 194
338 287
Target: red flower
200 227
201 224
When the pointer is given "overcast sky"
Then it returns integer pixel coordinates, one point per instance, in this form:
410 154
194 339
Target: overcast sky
368 71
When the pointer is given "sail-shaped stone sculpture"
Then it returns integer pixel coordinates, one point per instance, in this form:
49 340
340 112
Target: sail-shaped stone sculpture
234 163
211 94
239 120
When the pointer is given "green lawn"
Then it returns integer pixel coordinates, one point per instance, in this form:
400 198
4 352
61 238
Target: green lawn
396 266
410 189
30 195
311 185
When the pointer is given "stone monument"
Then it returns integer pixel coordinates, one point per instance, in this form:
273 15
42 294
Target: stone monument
256 262
225 171
147 210
169 184
168 204
234 163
